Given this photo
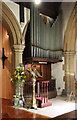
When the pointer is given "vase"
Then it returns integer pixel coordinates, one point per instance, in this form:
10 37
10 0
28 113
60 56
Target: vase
18 98
19 88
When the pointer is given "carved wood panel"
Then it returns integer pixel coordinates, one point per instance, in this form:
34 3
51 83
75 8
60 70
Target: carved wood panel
44 70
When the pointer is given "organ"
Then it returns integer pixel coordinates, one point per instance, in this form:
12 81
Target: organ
43 42
42 49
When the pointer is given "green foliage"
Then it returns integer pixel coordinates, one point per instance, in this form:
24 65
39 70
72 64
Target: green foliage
19 74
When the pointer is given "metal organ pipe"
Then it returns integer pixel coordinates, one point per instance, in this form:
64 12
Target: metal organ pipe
32 29
46 41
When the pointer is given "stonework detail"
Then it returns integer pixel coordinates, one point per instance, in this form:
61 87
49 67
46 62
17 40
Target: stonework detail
15 34
69 68
69 52
18 52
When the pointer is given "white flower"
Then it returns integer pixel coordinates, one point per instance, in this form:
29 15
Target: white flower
22 73
18 67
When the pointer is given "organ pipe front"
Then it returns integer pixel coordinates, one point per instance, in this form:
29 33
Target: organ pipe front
45 40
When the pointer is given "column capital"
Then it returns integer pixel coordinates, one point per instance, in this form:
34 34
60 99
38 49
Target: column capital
18 53
69 53
19 48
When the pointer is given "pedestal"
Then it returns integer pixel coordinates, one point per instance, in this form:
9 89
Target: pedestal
18 98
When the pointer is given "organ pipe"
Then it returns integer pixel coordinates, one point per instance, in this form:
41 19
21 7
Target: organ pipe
46 41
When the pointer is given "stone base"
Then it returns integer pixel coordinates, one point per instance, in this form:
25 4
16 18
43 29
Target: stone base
64 92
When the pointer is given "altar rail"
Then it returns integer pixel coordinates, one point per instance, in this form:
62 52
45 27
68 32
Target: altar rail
42 88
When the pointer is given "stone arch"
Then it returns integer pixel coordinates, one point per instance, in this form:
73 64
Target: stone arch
69 51
11 24
70 34
24 32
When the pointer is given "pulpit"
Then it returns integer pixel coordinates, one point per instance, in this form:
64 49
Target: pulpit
44 85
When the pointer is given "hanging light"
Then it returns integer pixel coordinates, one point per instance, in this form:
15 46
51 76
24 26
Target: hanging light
37 2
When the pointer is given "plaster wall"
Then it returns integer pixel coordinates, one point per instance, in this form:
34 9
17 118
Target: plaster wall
58 74
14 8
67 8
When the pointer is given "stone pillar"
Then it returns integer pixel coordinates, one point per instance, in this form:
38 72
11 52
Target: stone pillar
18 52
69 68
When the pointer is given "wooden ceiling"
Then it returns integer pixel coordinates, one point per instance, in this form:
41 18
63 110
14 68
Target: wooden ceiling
50 9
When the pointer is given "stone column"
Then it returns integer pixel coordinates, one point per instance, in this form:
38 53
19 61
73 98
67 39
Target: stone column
18 52
69 68
76 66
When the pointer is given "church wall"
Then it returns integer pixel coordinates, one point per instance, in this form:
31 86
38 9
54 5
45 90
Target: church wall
57 69
14 8
0 59
58 74
76 62
67 8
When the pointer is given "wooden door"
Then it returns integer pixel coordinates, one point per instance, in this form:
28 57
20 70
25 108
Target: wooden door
7 87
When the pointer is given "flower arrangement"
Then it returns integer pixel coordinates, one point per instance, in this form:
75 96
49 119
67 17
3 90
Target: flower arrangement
19 74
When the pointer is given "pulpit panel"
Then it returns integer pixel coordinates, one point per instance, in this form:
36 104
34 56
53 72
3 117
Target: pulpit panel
43 69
